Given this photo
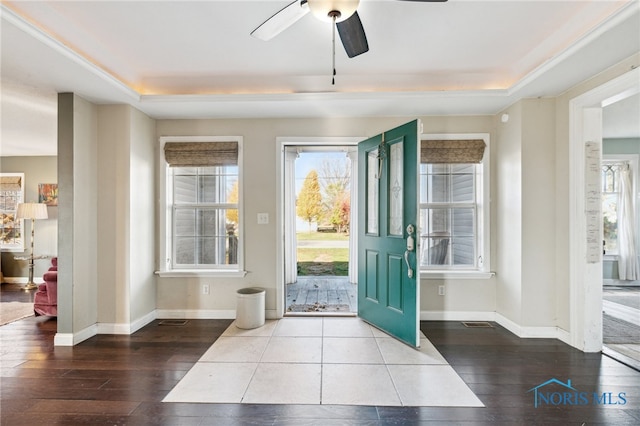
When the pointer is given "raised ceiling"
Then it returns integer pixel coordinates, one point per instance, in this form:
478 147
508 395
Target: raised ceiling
179 59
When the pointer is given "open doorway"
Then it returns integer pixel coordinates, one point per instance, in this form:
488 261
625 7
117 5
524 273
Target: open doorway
320 276
621 236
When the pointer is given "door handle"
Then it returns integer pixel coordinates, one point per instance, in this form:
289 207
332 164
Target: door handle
410 247
406 259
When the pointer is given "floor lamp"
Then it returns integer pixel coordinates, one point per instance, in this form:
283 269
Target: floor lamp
31 211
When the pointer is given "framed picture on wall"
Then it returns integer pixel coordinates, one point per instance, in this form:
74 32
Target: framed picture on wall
48 193
11 194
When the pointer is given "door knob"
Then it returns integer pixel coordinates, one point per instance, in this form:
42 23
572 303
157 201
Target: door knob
411 245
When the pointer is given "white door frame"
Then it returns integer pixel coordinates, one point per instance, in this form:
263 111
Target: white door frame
585 278
281 143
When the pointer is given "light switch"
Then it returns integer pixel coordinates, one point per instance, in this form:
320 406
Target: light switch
263 218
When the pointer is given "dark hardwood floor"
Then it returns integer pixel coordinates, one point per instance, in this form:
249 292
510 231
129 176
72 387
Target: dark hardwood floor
121 380
15 293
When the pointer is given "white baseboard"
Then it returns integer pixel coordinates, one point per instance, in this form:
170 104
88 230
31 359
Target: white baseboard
457 316
71 339
518 330
63 339
206 314
22 280
564 336
269 314
532 332
195 314
124 328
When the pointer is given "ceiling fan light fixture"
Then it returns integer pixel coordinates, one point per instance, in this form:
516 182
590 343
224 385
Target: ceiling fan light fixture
325 10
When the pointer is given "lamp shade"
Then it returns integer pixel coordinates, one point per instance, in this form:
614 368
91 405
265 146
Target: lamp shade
322 9
32 211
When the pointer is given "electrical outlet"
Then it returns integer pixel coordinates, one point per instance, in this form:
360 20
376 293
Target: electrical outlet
205 288
440 290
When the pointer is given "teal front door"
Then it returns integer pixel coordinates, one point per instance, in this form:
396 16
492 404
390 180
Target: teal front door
388 281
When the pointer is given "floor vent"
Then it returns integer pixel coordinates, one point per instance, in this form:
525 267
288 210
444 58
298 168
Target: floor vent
477 324
173 322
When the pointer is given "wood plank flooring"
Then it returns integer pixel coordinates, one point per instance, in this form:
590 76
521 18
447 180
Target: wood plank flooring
322 294
121 380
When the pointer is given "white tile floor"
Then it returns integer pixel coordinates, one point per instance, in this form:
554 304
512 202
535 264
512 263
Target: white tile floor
326 360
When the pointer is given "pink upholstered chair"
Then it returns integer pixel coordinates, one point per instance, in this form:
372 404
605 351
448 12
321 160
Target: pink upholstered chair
45 301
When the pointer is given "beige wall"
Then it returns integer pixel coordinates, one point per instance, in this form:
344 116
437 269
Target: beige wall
508 205
36 170
538 213
143 241
126 217
563 215
260 181
529 220
113 213
77 209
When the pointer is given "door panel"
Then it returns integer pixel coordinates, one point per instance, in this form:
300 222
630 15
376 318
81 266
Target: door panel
388 294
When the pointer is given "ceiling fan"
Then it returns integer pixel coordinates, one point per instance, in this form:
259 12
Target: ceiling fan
342 13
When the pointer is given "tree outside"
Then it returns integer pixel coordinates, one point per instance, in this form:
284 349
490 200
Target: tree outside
232 215
309 203
335 177
324 199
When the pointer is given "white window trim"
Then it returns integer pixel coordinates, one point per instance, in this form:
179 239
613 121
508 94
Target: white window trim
165 204
483 215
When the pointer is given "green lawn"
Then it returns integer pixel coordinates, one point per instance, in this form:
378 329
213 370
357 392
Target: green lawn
323 255
322 236
323 261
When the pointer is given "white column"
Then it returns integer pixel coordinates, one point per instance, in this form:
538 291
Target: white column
353 220
290 240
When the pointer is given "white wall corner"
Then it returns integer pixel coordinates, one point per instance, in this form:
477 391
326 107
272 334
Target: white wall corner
72 339
123 328
532 332
143 321
114 328
564 335
63 339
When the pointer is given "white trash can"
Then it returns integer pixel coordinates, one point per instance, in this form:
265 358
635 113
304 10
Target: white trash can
250 308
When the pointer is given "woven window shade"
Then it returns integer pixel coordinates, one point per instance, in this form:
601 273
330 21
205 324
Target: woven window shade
10 183
201 154
452 151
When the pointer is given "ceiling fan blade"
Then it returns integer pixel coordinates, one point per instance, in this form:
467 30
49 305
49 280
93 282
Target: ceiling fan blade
282 20
352 35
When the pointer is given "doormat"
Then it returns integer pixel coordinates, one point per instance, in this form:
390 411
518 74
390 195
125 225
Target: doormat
477 324
318 307
173 322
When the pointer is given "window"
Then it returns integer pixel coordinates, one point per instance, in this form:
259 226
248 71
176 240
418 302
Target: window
202 212
11 194
616 217
454 223
610 196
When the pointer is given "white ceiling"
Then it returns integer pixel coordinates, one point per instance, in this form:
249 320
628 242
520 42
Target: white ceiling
178 59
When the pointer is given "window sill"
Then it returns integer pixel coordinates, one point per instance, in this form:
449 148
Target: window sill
455 275
182 273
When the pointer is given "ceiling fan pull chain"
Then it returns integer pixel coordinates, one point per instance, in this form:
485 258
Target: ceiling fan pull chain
333 40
